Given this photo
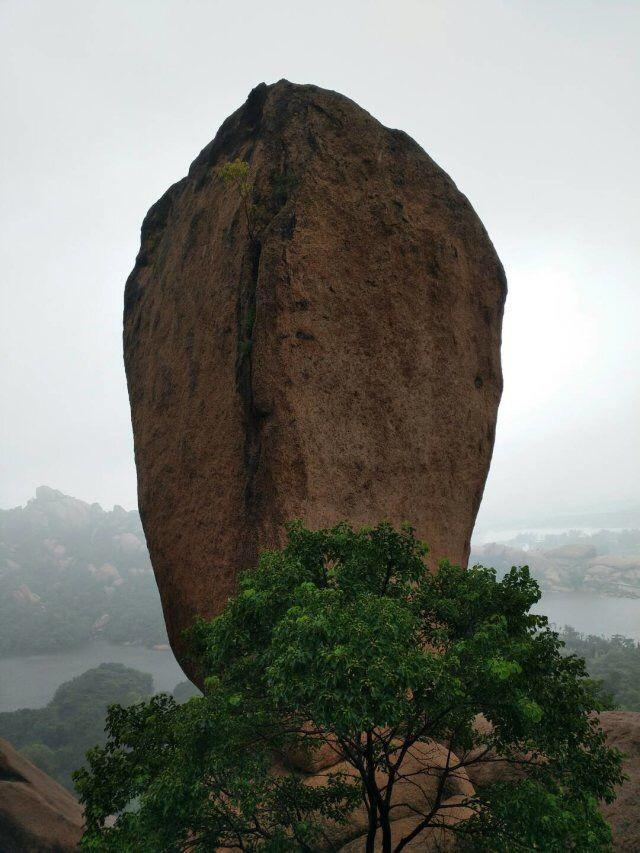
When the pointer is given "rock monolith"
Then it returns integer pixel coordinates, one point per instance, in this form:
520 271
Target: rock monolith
320 340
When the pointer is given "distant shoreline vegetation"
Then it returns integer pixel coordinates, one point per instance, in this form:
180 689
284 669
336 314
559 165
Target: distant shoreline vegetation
613 662
56 737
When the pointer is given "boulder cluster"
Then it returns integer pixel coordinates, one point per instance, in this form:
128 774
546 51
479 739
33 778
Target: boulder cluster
423 770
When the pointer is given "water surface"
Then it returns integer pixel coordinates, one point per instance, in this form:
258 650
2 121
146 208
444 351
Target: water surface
30 682
592 614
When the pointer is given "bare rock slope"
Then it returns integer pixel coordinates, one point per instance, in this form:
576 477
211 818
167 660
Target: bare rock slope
36 814
623 731
329 349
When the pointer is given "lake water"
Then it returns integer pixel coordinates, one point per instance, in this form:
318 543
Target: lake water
592 614
30 682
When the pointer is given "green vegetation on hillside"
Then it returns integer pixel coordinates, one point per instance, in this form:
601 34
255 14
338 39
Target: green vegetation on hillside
69 572
613 662
184 691
57 737
345 641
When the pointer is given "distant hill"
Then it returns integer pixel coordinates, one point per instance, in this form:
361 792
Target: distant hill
623 516
607 561
56 738
71 571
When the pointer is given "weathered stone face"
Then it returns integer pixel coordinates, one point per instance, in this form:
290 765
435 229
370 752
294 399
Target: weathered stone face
342 364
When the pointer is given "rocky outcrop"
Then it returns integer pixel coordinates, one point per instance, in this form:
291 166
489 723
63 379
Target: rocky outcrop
325 345
36 814
623 731
413 793
57 544
433 840
570 567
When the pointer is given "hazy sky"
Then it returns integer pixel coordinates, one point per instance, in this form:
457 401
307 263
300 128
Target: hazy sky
531 107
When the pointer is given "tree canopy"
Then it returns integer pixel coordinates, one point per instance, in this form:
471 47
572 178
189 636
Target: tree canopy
451 713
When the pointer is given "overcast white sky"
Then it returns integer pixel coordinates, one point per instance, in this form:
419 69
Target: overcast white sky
530 105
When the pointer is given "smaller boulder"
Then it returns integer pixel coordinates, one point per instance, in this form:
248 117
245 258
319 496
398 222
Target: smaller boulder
36 814
622 729
324 754
413 793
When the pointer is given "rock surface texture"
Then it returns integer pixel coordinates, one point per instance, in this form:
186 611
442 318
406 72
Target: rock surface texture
36 814
623 731
329 350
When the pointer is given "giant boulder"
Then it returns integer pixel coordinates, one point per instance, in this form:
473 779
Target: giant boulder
325 347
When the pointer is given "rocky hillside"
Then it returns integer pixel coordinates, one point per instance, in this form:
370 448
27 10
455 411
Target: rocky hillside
71 571
607 562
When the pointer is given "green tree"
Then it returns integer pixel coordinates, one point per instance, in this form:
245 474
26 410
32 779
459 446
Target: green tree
345 641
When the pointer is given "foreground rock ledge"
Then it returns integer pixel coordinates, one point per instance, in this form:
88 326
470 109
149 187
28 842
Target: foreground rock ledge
342 364
36 814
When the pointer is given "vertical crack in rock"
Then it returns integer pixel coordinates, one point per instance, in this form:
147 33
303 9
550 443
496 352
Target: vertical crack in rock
244 382
281 183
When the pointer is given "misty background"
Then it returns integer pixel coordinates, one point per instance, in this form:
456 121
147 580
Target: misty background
531 107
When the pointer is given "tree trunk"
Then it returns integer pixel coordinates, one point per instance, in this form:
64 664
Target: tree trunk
371 794
371 832
385 826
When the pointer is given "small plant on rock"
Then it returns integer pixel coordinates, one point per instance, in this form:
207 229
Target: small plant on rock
237 174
